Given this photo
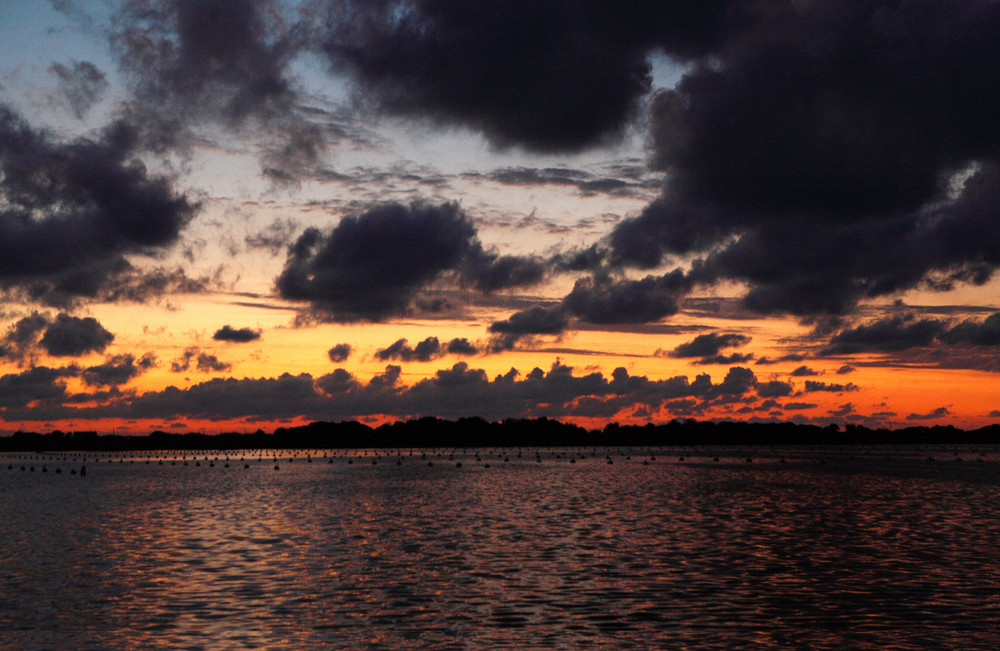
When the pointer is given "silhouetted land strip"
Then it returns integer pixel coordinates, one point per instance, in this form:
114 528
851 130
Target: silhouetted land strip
476 432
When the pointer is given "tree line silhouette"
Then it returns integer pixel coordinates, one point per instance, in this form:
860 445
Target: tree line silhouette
513 432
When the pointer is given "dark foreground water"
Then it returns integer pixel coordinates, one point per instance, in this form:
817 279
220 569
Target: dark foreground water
869 548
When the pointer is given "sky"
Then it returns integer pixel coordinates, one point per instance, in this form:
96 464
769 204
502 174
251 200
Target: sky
246 214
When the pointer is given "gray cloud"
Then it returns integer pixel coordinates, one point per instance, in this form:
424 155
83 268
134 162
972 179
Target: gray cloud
117 370
709 344
37 384
813 386
426 350
70 211
236 335
940 412
71 336
451 392
203 362
830 153
550 77
81 83
223 57
373 265
339 353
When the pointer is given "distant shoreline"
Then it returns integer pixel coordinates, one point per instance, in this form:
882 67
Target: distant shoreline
479 433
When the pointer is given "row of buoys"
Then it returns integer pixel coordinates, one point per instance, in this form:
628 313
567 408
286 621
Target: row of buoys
481 457
45 468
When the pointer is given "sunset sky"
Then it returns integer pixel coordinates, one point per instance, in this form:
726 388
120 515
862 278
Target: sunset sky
231 215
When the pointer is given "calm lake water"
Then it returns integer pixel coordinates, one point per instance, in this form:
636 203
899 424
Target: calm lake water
829 548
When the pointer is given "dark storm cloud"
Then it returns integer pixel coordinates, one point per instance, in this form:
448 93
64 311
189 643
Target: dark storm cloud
600 299
81 83
709 344
978 333
550 76
70 211
117 370
831 152
236 335
490 272
373 264
887 335
71 336
339 353
774 389
451 392
536 320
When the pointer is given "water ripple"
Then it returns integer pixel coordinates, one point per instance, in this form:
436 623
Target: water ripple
820 548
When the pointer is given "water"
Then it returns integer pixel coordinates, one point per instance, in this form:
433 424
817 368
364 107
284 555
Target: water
828 549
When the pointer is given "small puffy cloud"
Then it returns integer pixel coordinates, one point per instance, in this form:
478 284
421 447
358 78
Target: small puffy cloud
207 363
804 371
461 346
774 389
709 344
940 412
814 386
428 349
339 353
71 336
237 335
203 362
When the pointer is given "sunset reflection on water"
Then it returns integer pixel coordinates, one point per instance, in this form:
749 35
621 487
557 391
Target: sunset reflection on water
828 549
